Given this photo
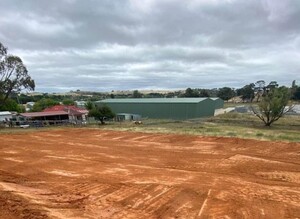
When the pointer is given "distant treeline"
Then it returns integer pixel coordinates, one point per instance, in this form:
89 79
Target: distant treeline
248 93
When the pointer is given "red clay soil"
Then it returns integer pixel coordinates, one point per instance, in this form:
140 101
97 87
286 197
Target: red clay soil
89 173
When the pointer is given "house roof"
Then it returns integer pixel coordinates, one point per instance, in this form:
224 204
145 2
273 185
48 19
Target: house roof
154 100
42 114
70 109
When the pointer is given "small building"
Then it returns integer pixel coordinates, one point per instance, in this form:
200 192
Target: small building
162 108
242 109
128 117
74 113
5 116
29 106
58 114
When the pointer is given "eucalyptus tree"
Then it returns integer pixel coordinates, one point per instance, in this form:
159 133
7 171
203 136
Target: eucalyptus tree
273 105
14 75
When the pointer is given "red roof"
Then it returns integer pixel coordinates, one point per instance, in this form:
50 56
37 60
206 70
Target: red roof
70 109
41 114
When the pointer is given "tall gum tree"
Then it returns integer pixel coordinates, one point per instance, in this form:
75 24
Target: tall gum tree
14 76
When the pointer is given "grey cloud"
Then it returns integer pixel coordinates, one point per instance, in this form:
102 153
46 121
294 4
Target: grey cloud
133 44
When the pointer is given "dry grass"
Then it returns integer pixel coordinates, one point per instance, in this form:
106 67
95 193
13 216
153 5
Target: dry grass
228 125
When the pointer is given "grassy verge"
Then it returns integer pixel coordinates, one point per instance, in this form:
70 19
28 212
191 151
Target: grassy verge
228 125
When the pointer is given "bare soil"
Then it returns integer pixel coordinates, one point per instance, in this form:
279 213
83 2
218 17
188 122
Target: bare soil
90 173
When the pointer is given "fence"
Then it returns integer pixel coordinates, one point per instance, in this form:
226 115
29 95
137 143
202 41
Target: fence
41 123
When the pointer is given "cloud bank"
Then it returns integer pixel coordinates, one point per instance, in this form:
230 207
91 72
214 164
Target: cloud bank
153 44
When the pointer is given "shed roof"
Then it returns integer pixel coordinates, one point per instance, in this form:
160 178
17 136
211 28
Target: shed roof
154 100
41 114
4 113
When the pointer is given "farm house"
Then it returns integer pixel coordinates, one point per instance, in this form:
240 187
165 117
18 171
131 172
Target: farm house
57 114
162 108
75 113
54 115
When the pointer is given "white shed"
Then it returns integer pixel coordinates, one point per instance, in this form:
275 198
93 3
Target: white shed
5 115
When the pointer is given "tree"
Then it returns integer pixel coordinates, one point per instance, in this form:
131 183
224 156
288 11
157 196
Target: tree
246 92
13 75
43 104
260 85
189 92
271 85
295 90
259 89
89 105
11 105
24 98
296 94
101 113
137 94
204 93
226 93
272 105
68 102
294 84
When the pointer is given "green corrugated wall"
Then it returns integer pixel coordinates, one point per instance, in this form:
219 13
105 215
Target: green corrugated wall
219 103
175 111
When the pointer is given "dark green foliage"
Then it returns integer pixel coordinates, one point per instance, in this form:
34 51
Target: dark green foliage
101 113
43 104
296 93
24 98
204 93
246 92
226 93
89 105
272 84
189 92
154 95
137 94
68 102
11 105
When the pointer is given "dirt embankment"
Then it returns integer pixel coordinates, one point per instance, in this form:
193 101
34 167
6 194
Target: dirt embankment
86 173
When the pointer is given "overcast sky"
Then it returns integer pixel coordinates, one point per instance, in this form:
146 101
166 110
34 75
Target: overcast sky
104 45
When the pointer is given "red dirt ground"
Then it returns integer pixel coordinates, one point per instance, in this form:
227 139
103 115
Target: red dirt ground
89 173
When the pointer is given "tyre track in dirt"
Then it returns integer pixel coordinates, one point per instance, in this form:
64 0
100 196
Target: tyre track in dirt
89 173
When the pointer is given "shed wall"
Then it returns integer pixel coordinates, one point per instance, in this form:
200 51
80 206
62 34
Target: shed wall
179 111
219 103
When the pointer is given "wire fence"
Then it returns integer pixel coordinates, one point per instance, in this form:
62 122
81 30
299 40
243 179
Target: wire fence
41 123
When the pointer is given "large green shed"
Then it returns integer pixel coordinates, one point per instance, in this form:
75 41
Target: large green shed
163 108
219 103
